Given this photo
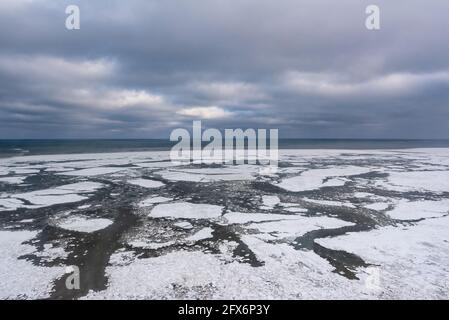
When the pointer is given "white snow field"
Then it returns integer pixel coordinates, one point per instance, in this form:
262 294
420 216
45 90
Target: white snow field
326 224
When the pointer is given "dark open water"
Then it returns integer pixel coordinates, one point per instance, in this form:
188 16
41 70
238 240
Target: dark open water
10 148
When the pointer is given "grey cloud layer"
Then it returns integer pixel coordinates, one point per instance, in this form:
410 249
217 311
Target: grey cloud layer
141 68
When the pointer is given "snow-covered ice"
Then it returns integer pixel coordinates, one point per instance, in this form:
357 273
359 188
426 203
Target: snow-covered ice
317 227
242 218
270 201
183 225
186 210
91 172
436 181
81 223
412 210
59 195
412 260
205 233
297 227
315 178
152 201
12 180
146 183
19 278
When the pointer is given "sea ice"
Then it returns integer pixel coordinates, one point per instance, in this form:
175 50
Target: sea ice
152 201
298 227
183 225
330 203
410 260
436 181
242 218
62 194
230 173
12 180
204 233
19 278
91 171
146 183
286 274
314 178
410 210
9 204
81 223
378 206
186 210
270 201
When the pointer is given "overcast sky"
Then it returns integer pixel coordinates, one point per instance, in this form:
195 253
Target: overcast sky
138 69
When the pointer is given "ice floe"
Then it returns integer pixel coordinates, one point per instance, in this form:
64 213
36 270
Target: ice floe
412 210
329 203
24 170
146 183
315 178
299 226
409 248
286 274
12 180
58 195
378 206
82 223
204 233
436 181
152 201
411 261
183 225
9 204
186 210
51 252
19 278
229 173
270 201
242 218
150 245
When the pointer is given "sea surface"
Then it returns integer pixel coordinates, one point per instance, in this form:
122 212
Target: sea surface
10 148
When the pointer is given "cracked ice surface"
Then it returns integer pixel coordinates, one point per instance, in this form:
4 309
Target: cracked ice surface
144 227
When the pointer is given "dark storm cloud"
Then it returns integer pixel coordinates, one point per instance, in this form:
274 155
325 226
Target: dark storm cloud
141 68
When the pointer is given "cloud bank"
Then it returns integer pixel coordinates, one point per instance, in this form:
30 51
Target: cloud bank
141 68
